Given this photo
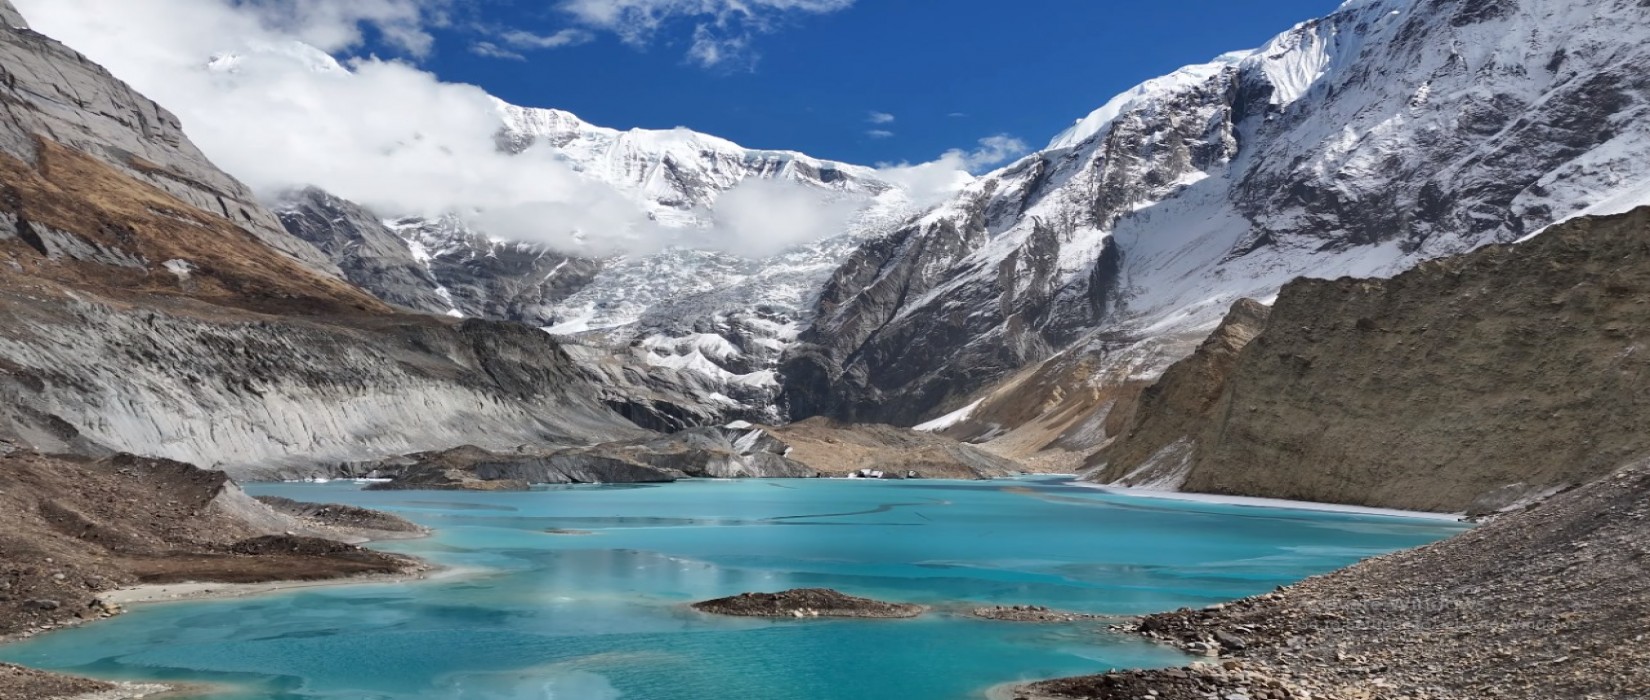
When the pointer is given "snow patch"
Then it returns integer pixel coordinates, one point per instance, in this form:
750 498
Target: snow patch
949 419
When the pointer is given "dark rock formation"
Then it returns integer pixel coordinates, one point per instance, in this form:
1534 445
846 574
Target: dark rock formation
368 253
502 280
806 603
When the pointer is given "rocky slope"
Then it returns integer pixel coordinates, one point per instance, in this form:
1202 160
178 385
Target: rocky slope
52 90
836 449
1153 444
1544 603
137 321
715 453
75 529
368 253
1389 132
1467 383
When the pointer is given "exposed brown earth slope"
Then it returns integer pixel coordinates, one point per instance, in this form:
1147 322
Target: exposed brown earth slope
73 528
1541 604
73 219
1158 420
1466 383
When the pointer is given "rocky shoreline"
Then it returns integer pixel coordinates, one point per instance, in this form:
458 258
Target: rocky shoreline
805 603
1033 613
1544 603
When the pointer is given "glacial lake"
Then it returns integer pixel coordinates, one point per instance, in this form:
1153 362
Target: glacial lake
532 615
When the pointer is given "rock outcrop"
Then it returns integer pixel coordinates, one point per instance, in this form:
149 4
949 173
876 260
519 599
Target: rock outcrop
482 277
367 252
1465 384
54 91
345 518
1033 614
1152 450
804 603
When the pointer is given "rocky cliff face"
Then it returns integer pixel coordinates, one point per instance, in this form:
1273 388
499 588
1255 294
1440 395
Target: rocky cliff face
1466 384
147 306
1153 448
1390 132
52 90
368 253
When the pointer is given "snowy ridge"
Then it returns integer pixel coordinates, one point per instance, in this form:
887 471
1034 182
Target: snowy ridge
1097 121
1388 133
665 307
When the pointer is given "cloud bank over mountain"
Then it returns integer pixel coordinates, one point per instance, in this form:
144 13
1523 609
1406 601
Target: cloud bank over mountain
258 87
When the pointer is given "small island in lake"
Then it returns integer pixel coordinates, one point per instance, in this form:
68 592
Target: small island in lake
807 603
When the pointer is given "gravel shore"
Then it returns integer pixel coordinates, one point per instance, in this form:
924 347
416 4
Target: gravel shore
1550 602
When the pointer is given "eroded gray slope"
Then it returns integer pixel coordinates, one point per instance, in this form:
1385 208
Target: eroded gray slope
132 321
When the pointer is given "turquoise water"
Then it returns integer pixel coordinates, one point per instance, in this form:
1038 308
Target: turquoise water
533 615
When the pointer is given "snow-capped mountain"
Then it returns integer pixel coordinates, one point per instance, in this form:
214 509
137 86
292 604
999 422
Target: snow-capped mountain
1390 132
677 174
723 311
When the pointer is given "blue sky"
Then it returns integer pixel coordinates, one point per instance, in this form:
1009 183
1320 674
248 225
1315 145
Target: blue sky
948 73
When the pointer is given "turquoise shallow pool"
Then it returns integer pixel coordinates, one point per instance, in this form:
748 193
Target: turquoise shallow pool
565 617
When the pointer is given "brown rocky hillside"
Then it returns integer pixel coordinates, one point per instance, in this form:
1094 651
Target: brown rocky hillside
1467 383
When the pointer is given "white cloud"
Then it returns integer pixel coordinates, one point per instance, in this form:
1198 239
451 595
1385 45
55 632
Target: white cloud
492 50
511 43
766 217
880 134
992 151
880 118
723 30
279 114
332 26
518 39
933 182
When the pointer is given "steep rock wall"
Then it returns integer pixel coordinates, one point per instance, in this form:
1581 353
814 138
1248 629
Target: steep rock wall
1467 383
